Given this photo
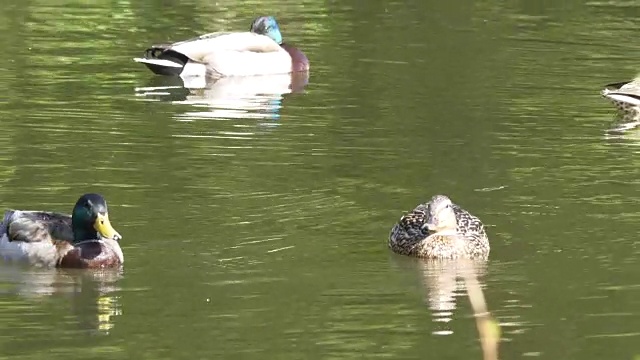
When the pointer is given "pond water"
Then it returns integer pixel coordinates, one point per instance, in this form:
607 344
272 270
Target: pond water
255 212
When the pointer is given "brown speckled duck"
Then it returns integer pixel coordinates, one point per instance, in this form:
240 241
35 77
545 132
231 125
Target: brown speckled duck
85 239
439 229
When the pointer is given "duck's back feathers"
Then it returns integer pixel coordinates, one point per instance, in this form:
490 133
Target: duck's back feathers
411 226
409 230
201 47
36 226
468 224
222 54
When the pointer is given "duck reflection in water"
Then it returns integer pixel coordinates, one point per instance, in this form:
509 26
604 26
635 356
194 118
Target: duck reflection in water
90 292
443 283
247 97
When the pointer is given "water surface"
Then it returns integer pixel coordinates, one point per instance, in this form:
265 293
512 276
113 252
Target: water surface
255 212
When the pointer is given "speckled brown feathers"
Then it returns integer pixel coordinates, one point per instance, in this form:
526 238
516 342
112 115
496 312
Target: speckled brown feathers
409 230
625 96
410 236
442 247
33 226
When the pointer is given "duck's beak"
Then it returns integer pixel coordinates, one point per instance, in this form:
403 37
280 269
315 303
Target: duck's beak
104 228
429 226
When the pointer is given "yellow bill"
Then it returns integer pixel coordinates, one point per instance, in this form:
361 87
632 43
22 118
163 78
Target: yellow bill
104 228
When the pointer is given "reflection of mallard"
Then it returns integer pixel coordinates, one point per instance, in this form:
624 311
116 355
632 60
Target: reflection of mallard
239 97
93 302
259 51
107 309
89 292
625 96
439 229
85 239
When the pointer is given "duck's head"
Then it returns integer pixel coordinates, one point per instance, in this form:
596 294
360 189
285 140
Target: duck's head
90 219
267 25
440 214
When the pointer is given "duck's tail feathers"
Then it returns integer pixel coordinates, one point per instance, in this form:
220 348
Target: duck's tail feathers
161 66
4 226
163 61
616 86
622 97
625 92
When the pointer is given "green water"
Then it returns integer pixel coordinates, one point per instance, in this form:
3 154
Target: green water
255 221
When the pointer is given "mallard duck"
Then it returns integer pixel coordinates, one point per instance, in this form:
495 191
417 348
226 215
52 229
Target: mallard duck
260 51
439 229
85 239
625 96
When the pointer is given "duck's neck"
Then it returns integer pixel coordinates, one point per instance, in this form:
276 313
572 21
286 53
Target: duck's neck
299 61
83 233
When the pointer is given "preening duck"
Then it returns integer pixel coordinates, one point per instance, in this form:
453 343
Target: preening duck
259 51
439 229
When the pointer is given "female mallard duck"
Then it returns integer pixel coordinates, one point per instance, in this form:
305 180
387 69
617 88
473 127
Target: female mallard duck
260 51
85 239
439 229
625 96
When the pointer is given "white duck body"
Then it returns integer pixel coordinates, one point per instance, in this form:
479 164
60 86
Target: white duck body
219 54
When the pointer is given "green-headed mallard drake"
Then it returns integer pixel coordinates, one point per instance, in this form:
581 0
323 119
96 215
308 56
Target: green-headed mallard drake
259 51
85 239
625 96
439 229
